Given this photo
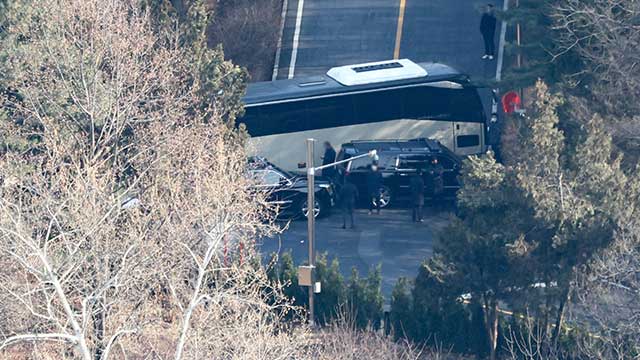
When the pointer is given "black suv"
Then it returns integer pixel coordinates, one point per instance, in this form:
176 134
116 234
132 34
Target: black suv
288 191
398 160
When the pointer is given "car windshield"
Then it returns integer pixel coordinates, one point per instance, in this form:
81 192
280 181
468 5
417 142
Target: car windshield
260 164
267 177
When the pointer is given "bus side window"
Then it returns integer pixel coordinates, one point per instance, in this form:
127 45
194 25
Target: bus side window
330 112
467 140
284 118
251 119
378 106
466 106
426 102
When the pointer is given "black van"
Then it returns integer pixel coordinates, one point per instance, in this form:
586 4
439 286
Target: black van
397 161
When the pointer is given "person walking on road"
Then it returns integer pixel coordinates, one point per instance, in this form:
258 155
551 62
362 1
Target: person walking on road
416 185
328 158
348 196
374 185
488 30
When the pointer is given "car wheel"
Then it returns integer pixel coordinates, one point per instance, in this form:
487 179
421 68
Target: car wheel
318 209
385 197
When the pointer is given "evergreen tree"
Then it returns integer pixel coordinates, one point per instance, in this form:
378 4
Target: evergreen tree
359 298
364 298
541 56
481 254
329 301
402 315
525 231
184 23
579 196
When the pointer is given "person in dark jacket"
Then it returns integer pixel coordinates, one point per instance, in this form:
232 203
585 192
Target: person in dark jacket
374 186
435 175
488 30
416 185
348 196
328 158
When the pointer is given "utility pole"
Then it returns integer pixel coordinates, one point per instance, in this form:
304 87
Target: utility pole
311 223
519 43
306 274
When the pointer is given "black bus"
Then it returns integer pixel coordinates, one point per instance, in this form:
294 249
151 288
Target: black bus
395 99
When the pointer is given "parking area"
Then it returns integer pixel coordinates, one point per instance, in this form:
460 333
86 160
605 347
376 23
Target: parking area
390 239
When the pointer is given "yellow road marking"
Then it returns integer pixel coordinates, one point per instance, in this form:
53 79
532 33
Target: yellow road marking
396 51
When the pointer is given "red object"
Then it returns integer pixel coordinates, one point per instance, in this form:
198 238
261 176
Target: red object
511 102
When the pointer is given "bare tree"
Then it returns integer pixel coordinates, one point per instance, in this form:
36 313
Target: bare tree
608 299
530 340
130 193
82 69
606 35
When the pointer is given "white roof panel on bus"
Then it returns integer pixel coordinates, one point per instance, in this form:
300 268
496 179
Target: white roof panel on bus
376 72
264 92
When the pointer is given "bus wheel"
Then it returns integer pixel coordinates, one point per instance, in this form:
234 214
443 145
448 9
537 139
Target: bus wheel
385 197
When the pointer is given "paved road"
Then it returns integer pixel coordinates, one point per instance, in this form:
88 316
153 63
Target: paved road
389 239
342 32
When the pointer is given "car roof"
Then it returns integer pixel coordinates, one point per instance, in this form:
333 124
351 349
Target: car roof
415 145
303 87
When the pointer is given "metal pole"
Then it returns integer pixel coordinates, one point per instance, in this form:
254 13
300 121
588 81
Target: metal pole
311 222
519 43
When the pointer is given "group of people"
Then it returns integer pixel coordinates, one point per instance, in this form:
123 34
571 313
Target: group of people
424 182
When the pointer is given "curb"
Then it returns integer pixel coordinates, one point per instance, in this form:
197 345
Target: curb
276 63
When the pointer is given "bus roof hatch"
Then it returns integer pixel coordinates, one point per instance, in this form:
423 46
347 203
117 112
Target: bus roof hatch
376 72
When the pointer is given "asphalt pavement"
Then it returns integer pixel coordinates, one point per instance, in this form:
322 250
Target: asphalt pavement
390 239
333 33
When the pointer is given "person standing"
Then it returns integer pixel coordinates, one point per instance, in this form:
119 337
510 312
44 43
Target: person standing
374 185
488 31
329 158
348 196
436 173
416 185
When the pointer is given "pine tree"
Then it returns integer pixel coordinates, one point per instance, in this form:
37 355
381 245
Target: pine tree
364 298
402 315
542 58
578 194
484 253
329 301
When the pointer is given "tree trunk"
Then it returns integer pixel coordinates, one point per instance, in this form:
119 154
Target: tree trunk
490 309
560 316
98 329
